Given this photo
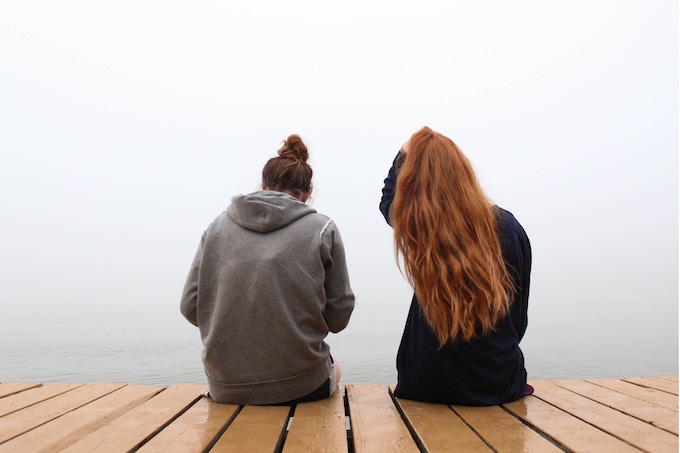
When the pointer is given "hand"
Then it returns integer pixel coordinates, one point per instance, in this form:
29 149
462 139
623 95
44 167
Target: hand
404 148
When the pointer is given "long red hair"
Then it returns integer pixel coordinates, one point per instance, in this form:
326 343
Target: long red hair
445 230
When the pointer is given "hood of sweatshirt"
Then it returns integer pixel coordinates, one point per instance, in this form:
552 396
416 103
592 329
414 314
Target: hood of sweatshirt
266 210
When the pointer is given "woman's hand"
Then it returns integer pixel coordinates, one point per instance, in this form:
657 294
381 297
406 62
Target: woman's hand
404 148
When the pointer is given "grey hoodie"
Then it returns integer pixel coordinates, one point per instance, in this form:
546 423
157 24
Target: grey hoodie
268 282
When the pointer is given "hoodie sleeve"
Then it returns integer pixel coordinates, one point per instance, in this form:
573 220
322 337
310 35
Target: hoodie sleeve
190 292
339 295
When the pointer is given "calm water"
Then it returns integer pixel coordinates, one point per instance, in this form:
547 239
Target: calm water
157 346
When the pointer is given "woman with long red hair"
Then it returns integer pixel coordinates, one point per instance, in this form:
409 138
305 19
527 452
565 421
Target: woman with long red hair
469 263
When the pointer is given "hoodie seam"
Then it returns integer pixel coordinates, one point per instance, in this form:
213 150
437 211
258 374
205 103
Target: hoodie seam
325 227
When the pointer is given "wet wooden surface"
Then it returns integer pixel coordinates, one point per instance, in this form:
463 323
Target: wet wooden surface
629 414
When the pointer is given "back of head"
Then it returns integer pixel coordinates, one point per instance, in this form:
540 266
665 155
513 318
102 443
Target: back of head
289 172
445 230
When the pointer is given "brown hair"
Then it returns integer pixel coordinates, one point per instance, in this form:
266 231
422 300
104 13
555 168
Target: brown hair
445 231
289 172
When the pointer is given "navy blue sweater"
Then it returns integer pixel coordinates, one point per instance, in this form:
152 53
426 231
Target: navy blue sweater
485 371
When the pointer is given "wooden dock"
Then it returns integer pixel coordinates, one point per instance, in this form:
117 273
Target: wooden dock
608 415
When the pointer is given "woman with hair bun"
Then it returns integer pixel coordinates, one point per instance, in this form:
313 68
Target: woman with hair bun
267 285
469 263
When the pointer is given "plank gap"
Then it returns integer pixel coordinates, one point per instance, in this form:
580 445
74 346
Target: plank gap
592 425
630 413
411 428
472 428
223 430
348 422
540 432
162 427
284 432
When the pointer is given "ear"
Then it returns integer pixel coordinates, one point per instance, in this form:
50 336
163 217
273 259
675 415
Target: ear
305 196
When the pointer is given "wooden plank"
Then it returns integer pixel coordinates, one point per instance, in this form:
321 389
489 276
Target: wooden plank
25 419
668 378
659 384
658 416
27 398
595 415
134 427
61 432
318 426
664 381
631 430
255 429
564 428
376 423
653 396
437 427
195 430
16 387
503 431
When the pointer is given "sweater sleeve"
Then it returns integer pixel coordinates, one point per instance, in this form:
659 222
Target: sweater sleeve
521 272
190 292
389 188
339 295
525 246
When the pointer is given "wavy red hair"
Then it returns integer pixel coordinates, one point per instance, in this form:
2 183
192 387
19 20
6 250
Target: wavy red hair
445 231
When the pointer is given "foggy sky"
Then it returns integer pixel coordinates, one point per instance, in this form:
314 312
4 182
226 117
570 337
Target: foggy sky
126 127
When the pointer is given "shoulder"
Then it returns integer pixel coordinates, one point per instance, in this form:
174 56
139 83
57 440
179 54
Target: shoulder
504 215
323 222
220 220
509 227
324 228
507 218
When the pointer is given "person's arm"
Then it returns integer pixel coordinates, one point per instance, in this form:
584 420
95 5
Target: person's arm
526 280
190 293
522 276
390 186
339 295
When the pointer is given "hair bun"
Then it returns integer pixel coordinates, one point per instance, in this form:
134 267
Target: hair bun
294 148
